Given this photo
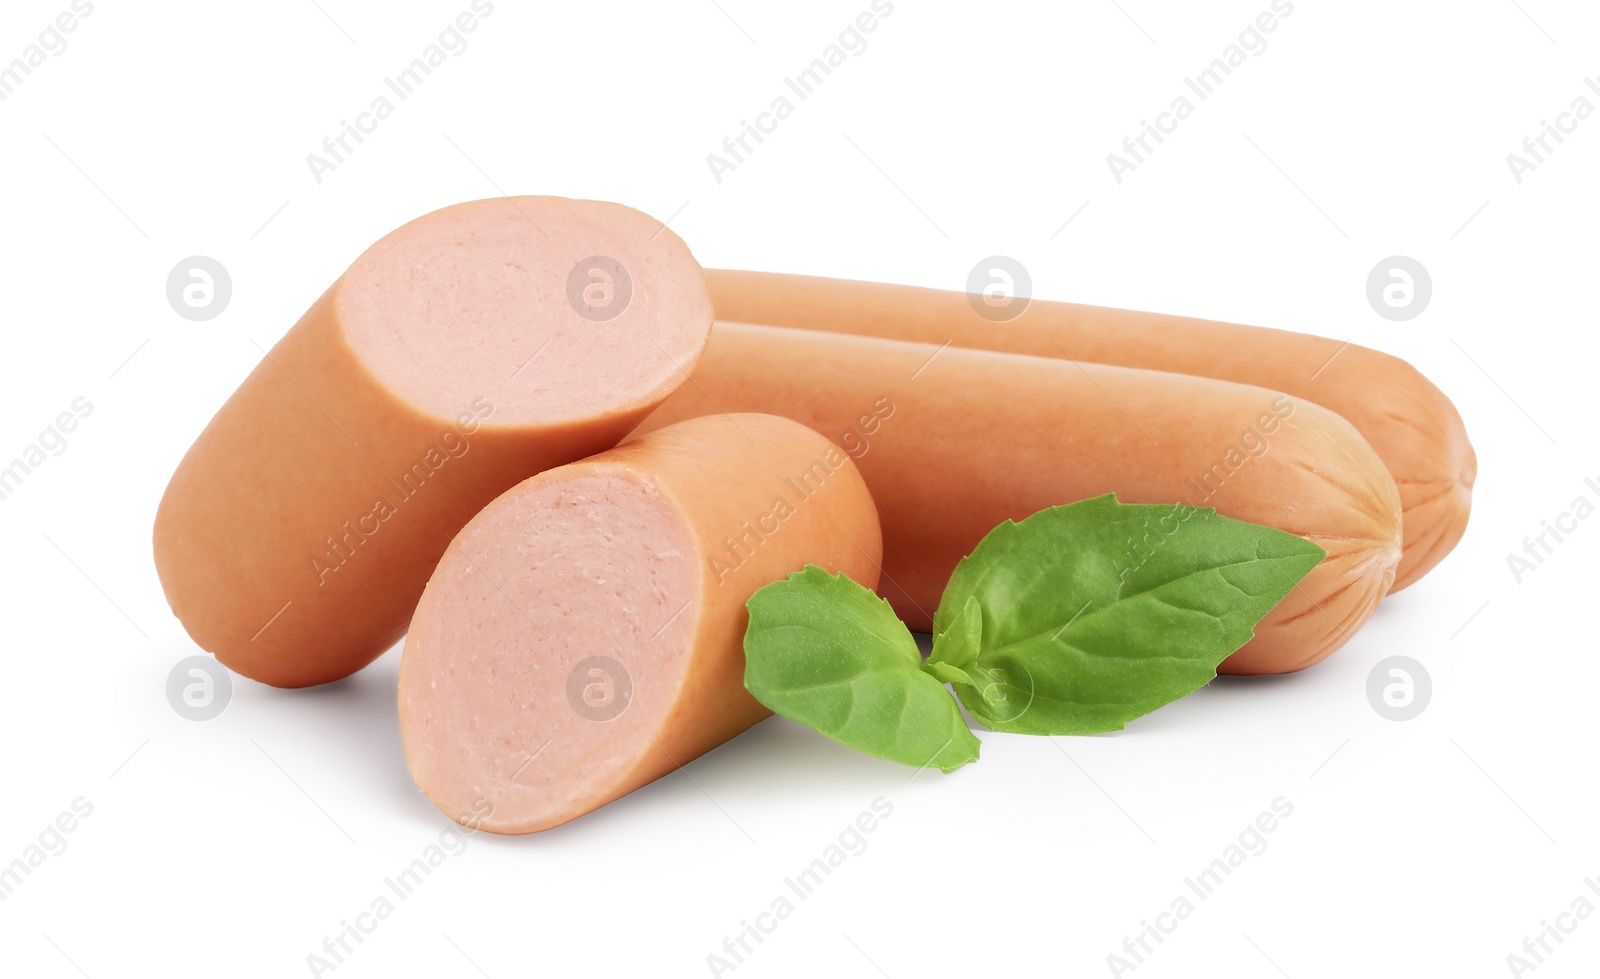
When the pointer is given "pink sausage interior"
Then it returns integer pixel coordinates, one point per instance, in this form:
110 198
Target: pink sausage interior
550 575
476 302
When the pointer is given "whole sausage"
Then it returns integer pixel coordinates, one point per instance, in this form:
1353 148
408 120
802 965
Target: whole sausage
953 441
583 635
459 355
1409 422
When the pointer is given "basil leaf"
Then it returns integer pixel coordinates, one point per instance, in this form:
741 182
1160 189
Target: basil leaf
826 652
955 650
1098 612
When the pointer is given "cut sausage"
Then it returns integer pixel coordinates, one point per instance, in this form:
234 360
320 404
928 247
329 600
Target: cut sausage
459 355
1409 422
583 635
952 442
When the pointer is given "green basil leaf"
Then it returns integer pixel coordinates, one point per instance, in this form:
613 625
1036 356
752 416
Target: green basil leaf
1098 612
955 650
826 652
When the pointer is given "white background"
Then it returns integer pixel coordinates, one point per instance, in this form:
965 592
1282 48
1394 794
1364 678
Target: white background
1366 129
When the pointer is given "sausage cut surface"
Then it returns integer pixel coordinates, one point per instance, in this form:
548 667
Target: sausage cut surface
583 635
462 353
